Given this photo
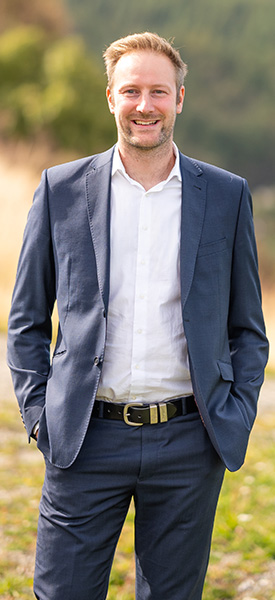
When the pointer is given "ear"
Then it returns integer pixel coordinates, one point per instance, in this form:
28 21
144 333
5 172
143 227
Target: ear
110 102
181 99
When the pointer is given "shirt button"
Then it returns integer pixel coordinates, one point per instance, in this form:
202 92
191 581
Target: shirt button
96 360
139 331
142 262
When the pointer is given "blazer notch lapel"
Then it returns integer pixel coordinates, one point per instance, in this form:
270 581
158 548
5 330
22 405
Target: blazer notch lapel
192 219
98 186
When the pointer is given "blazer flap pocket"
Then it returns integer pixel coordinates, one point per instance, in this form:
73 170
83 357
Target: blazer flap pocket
212 247
226 370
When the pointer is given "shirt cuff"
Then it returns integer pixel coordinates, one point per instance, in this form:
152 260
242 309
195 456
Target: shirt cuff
35 429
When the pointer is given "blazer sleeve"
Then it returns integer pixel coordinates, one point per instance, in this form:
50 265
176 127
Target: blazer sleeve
30 325
248 343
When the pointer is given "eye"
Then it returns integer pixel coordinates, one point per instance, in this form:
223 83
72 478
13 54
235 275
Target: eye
159 92
130 92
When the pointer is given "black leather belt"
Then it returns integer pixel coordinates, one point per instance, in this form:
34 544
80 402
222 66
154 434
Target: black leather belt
135 414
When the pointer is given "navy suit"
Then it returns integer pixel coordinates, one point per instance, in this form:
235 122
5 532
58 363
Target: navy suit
94 467
66 256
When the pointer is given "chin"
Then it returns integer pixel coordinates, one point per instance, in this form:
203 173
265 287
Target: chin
145 144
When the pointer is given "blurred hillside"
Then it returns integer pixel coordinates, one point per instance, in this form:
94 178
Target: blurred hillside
228 117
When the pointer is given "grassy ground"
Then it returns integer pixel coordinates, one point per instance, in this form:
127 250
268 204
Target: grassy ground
242 562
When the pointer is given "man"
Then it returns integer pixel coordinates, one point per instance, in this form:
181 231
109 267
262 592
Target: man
153 385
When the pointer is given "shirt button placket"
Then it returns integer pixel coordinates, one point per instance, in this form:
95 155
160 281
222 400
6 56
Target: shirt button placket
141 293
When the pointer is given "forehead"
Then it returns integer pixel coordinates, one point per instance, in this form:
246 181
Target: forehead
143 66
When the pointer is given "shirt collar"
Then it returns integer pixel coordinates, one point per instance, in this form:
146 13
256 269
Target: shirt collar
118 165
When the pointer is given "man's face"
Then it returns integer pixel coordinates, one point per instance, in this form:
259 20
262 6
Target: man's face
144 99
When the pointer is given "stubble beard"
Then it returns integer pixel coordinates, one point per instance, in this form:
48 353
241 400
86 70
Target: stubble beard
131 140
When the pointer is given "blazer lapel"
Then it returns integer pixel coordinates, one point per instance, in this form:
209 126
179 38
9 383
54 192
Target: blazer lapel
193 210
98 189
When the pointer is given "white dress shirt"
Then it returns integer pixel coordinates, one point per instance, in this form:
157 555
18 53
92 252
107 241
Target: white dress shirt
146 351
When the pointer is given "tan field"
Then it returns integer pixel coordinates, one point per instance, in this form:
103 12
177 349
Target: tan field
20 170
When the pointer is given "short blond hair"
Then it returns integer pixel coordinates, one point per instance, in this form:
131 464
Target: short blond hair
144 41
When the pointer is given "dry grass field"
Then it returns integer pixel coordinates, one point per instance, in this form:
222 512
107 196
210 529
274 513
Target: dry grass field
20 170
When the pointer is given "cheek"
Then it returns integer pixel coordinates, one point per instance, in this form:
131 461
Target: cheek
123 111
166 107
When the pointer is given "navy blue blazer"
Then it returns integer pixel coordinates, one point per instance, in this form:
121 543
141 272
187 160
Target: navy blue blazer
66 257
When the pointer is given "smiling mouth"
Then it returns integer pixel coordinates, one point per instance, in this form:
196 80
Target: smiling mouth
145 123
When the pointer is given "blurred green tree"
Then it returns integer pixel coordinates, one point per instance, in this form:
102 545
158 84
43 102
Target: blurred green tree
53 86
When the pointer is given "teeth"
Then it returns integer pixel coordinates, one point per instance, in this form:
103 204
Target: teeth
145 122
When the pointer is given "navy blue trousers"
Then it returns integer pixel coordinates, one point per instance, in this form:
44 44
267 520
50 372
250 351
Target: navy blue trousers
174 475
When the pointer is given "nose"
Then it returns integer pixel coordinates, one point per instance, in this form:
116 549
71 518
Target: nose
144 103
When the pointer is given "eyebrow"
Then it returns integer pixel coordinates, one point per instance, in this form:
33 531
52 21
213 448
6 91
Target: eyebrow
136 85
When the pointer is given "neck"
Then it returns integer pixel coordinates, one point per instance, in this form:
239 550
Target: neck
147 167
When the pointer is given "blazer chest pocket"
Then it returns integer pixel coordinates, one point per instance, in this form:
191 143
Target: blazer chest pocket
212 247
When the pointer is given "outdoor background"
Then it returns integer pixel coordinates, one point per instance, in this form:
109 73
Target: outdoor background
53 109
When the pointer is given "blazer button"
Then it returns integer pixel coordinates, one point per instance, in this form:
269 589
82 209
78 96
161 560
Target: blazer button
96 360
